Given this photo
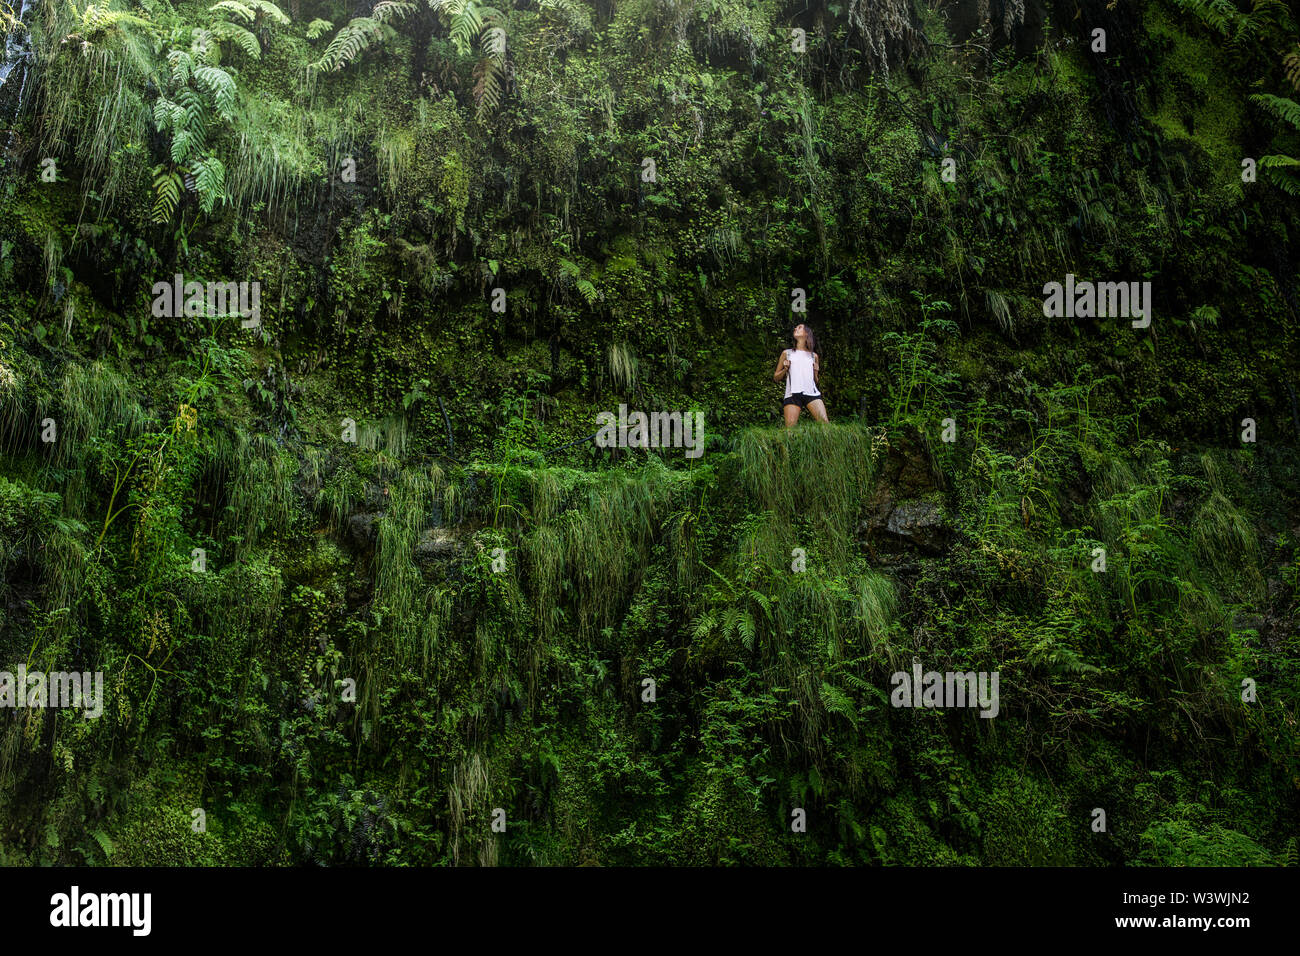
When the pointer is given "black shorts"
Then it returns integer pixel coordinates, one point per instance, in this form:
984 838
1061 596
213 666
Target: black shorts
800 399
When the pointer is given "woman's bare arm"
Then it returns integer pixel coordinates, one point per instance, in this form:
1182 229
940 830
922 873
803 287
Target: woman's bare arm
817 370
782 368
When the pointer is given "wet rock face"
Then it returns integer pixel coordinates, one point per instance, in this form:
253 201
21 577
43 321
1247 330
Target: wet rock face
906 512
361 530
920 523
434 544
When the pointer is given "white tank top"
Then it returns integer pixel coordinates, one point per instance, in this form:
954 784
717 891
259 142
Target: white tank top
800 379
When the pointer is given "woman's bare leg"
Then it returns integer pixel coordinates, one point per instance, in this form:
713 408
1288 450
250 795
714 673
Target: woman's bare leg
817 409
791 413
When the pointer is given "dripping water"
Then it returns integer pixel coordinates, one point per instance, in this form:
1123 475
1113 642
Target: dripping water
15 70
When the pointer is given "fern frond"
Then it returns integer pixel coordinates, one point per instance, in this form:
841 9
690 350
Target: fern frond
167 185
1291 66
349 43
837 702
1279 107
249 10
1285 181
747 629
730 621
269 10
390 11
465 26
167 115
222 87
856 682
571 13
318 28
182 143
493 42
1219 15
1291 856
99 20
182 65
236 9
239 36
210 180
195 113
487 87
202 47
1271 16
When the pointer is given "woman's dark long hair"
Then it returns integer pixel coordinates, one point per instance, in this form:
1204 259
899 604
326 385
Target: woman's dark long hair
812 337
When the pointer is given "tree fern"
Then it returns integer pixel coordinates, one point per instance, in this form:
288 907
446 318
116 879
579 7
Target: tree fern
198 89
269 10
234 9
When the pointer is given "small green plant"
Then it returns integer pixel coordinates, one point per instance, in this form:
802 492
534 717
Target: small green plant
921 382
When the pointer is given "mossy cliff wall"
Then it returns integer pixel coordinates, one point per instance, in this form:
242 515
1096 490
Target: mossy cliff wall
357 577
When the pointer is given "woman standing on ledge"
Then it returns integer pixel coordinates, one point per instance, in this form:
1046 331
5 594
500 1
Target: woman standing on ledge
800 367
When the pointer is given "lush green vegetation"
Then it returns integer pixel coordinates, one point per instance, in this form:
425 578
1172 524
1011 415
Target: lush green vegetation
391 637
